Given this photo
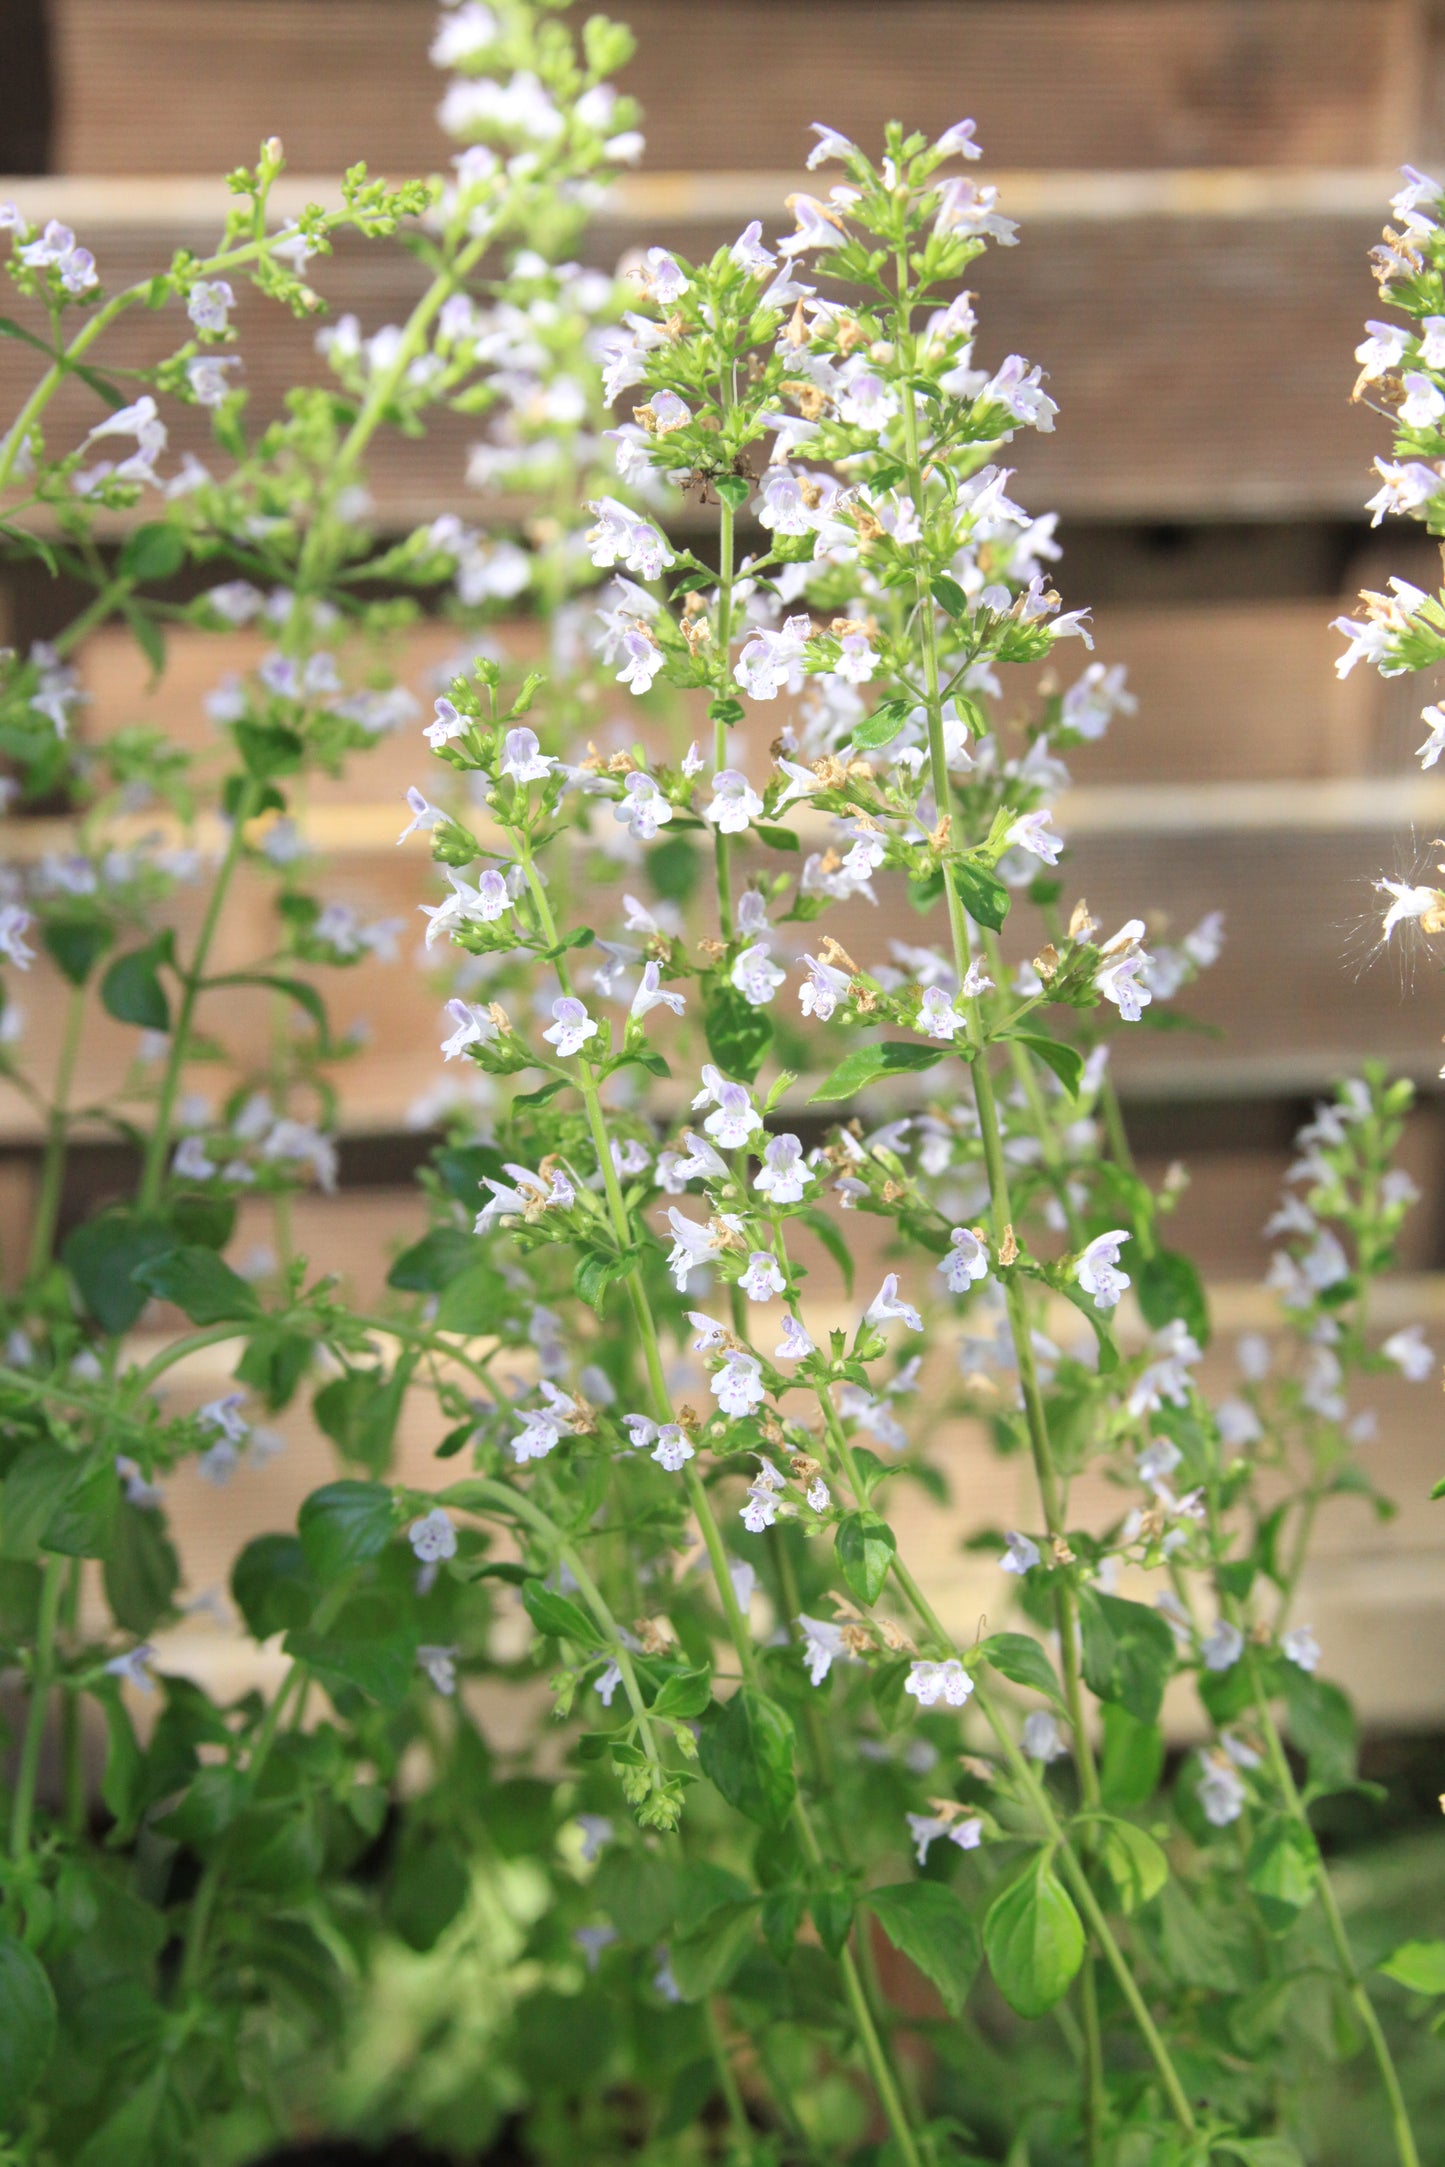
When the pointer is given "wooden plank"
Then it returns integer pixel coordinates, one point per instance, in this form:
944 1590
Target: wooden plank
734 82
1243 691
1160 307
1298 991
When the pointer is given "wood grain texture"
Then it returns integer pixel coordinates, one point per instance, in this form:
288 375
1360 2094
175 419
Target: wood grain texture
1200 358
150 86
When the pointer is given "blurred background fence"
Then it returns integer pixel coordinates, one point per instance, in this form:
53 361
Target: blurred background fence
1199 181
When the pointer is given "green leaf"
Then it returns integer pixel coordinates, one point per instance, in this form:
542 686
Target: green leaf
147 634
268 749
865 1546
1129 1653
727 711
1168 1286
370 1646
102 1257
981 892
75 945
342 1525
272 1585
153 552
883 725
1132 1760
883 1057
35 1487
1019 1658
9 329
704 1960
131 989
738 1035
673 867
141 1571
428 1889
930 1924
28 2020
747 1750
1034 1939
1418 1965
434 1261
684 1695
1259 2151
83 1524
775 838
1066 1062
475 1301
825 1227
1282 1869
128 2135
200 1283
733 490
556 1617
1133 1861
949 596
1322 1725
595 1272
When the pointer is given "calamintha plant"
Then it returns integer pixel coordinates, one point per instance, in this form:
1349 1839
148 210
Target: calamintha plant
676 1445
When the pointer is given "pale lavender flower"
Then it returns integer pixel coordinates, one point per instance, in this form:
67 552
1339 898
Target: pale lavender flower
433 1537
887 1304
1097 1268
1020 1556
932 1682
763 1277
571 1026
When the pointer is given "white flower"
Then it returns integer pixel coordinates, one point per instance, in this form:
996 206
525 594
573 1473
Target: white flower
1157 1461
1409 904
208 304
572 1027
597 1833
1408 1350
651 993
1221 1792
523 758
1301 1647
1041 1736
756 976
474 1027
763 1277
794 1344
822 989
1434 744
672 1449
15 924
823 1646
830 145
820 1497
1097 1272
642 807
440 1665
206 375
1223 1647
132 1666
1382 350
784 1171
932 1682
1117 976
748 252
887 1305
433 1537
734 802
1031 832
664 278
926 1828
605 1684
423 816
966 1262
737 1385
937 1016
736 1116
1020 1556
770 661
1423 403
620 537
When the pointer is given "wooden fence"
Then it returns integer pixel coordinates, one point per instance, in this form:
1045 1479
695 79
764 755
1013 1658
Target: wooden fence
1198 182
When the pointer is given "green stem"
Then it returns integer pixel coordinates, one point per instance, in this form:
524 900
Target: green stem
722 844
57 1136
1027 1778
42 1674
153 1172
71 1761
1360 2002
737 2112
1064 1599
